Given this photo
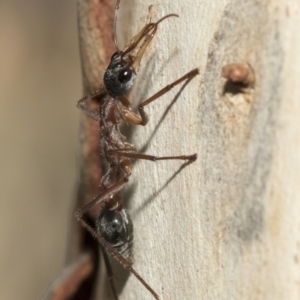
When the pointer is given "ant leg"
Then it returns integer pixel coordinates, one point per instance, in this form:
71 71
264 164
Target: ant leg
132 118
110 274
116 255
132 154
167 88
104 244
82 104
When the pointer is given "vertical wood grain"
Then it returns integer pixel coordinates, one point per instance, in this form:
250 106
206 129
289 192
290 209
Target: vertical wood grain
226 226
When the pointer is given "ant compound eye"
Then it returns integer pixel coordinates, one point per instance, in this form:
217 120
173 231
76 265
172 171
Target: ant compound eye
118 79
125 75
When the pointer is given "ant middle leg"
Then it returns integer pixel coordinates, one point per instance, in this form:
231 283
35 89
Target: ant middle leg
86 103
132 154
101 198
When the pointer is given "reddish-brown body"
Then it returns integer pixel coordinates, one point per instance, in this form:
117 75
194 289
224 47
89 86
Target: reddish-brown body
111 137
114 226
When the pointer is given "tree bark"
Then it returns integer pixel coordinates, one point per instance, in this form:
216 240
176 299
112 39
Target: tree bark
226 226
81 277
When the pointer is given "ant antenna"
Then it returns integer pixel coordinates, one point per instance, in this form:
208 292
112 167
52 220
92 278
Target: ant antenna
115 25
165 17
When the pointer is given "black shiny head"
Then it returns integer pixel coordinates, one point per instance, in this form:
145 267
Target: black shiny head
119 76
116 228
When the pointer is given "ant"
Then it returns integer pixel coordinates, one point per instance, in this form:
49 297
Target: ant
114 229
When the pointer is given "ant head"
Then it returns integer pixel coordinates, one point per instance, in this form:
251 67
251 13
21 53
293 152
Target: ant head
123 68
115 226
119 75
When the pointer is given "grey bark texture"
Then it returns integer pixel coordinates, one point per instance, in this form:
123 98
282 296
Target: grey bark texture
226 226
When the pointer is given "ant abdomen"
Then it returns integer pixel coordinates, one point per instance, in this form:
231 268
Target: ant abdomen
115 226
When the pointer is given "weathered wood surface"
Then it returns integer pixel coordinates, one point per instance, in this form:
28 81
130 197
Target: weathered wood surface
226 226
80 278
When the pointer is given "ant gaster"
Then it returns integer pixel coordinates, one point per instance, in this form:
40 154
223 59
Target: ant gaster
114 229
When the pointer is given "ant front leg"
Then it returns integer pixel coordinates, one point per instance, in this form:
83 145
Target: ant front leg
132 118
167 88
110 274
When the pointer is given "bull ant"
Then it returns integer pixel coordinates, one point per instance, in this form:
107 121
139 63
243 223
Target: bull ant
114 229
